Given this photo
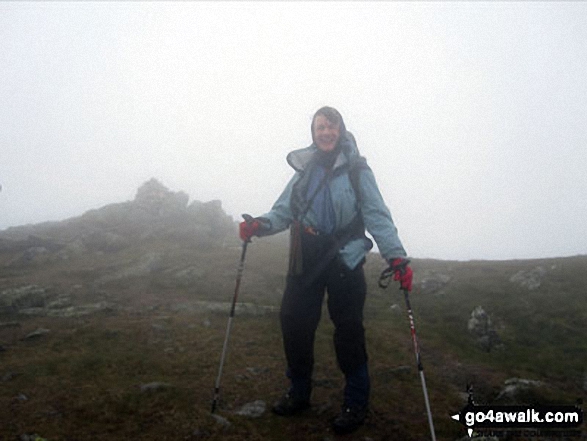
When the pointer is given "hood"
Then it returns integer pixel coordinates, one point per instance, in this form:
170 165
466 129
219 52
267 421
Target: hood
347 149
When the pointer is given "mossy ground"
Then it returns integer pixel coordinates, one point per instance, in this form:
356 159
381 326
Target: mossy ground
82 380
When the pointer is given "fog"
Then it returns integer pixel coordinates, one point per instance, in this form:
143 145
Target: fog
471 114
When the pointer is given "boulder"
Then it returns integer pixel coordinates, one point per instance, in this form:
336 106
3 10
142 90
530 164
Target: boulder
434 282
29 296
516 389
530 279
157 199
147 264
481 328
254 409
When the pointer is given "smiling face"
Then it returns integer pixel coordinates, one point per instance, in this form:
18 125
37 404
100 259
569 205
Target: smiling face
326 133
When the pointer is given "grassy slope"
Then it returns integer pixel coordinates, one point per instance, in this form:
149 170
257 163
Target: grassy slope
82 380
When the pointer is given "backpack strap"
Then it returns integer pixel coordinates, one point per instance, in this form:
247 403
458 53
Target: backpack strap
356 165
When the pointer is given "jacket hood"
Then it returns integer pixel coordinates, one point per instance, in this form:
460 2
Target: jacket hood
346 147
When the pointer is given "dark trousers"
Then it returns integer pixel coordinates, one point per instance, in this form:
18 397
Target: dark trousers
300 314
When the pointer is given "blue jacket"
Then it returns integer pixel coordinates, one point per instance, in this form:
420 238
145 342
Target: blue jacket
376 216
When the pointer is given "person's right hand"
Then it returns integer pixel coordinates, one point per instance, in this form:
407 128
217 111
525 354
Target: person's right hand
249 229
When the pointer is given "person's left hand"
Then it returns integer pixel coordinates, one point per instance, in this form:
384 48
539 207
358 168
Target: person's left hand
402 272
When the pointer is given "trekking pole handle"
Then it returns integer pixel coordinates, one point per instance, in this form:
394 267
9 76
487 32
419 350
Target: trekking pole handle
249 220
388 273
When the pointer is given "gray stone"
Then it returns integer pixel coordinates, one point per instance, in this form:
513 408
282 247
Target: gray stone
189 275
147 264
37 334
433 282
70 311
513 386
395 308
240 308
481 327
254 409
60 303
154 386
28 296
221 420
531 279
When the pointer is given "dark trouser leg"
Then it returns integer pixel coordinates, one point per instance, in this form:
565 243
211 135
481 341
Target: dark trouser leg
346 299
300 314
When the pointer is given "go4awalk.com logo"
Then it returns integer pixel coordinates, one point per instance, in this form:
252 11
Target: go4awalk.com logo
475 417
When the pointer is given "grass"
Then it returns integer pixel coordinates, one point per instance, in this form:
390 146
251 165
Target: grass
82 381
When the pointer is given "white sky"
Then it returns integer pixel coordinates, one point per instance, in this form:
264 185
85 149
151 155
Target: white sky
471 114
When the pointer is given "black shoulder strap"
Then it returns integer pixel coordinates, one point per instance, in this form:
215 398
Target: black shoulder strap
356 165
309 202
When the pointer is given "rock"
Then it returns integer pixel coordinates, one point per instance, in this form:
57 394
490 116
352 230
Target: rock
154 386
28 296
60 303
187 276
433 282
37 334
105 241
240 308
257 370
147 264
481 327
395 308
155 198
529 279
221 420
70 311
75 248
515 386
253 409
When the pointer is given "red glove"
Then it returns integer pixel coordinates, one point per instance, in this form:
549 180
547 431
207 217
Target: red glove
249 229
402 273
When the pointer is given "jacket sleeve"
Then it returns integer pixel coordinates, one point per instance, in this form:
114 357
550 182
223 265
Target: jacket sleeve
280 216
377 218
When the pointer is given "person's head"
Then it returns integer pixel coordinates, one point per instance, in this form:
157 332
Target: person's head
327 128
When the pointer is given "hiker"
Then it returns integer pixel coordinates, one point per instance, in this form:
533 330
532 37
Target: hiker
327 205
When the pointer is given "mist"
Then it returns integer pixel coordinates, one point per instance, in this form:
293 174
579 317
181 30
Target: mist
470 114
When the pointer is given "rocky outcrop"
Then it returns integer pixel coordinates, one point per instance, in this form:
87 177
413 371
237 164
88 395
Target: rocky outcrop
254 409
23 297
517 389
155 213
433 282
481 327
146 265
530 279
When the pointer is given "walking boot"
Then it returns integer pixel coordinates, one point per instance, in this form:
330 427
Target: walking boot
289 405
349 419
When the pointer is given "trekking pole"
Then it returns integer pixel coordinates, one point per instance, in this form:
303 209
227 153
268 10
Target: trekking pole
239 276
385 275
419 362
